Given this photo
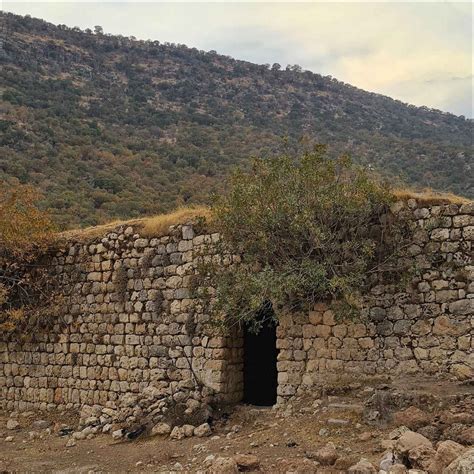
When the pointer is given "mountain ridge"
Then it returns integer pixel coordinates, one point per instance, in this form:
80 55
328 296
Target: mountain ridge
139 127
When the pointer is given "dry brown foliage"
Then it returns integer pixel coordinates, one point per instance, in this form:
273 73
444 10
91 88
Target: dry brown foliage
25 234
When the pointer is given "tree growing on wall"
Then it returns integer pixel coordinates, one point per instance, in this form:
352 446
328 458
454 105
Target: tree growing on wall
308 228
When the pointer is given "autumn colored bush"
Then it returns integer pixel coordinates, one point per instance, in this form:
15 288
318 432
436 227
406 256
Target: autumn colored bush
26 232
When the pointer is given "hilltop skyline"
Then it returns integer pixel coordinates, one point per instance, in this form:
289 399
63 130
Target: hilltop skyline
418 53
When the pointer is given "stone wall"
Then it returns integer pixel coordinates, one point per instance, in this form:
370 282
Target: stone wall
130 324
427 329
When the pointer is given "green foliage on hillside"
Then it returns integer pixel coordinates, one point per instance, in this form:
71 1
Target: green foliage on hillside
309 229
108 127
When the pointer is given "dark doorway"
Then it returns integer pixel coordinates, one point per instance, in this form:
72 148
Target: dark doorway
260 360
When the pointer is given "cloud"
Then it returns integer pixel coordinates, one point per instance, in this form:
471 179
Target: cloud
410 51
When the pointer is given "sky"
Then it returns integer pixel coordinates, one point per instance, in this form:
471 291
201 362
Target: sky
417 52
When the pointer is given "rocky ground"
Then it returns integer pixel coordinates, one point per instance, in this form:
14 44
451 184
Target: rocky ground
382 426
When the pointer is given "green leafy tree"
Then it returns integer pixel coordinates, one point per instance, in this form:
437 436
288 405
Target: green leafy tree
309 229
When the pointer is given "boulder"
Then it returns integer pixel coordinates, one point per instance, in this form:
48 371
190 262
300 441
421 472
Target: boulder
247 462
446 453
410 440
463 464
202 430
362 467
12 425
222 465
451 417
40 424
161 429
432 432
365 436
459 433
389 459
71 443
397 432
177 433
343 463
398 469
412 417
467 436
117 434
188 430
421 456
326 455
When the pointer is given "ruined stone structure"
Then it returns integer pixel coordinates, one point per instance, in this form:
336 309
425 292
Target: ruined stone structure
131 325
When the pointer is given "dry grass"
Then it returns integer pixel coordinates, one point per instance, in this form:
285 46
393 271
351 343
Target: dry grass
428 196
159 225
153 226
156 226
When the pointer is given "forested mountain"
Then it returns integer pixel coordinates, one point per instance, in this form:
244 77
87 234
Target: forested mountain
111 127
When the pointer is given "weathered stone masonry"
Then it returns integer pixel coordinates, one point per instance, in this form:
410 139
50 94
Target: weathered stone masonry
131 323
428 330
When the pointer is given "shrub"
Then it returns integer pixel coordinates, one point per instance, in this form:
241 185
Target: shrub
25 233
309 229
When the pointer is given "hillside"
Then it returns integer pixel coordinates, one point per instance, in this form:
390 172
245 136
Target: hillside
111 128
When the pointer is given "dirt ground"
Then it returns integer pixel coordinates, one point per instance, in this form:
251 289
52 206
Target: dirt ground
283 440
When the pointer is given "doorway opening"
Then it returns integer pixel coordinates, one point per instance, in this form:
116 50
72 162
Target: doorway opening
260 360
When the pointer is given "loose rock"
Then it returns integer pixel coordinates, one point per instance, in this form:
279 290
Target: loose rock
398 469
446 453
462 464
247 462
177 433
161 429
117 434
40 424
203 430
71 443
412 417
421 456
410 440
12 425
224 466
362 467
326 455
